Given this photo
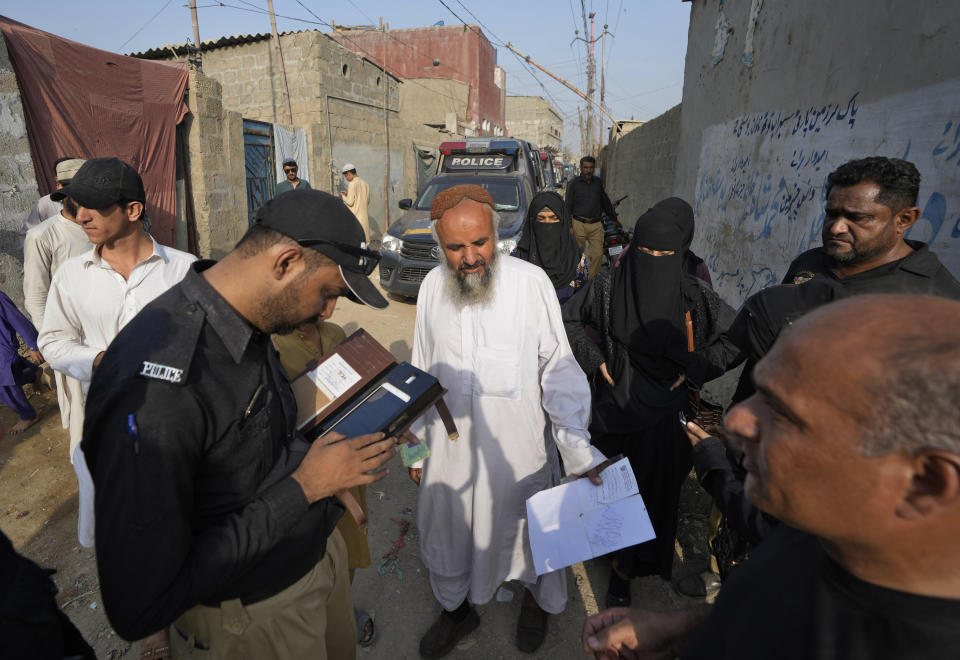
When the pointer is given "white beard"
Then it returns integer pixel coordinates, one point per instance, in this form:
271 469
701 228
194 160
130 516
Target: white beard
474 288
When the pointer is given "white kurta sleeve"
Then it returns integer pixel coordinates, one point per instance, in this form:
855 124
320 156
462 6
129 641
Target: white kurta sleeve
36 276
61 338
565 391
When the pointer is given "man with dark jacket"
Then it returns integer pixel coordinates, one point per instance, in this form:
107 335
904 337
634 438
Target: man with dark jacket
871 204
213 512
585 201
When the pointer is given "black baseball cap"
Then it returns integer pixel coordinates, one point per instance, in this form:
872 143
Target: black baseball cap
101 182
322 222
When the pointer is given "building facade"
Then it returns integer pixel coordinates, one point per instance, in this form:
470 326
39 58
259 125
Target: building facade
532 118
455 52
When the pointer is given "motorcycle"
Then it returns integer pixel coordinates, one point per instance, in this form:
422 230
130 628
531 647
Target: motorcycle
615 236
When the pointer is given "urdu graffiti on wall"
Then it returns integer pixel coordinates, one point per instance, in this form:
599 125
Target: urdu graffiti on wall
760 186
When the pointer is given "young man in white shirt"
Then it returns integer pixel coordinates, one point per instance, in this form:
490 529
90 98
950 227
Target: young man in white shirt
94 295
46 246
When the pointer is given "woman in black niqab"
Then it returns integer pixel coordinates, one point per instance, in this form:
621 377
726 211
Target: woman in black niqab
641 369
647 291
551 245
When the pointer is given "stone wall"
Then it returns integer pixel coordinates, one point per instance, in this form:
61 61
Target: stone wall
532 118
215 163
642 163
772 102
18 183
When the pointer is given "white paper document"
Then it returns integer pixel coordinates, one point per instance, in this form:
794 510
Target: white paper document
334 376
578 521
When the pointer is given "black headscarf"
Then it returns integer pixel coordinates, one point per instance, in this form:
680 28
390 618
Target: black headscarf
648 304
550 245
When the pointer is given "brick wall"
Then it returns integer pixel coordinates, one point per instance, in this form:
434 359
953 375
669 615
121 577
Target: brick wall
215 162
18 183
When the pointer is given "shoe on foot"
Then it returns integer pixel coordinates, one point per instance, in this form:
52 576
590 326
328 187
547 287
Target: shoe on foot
618 591
446 632
366 628
531 628
698 585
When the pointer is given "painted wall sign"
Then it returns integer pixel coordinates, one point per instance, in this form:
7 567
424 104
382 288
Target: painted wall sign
760 184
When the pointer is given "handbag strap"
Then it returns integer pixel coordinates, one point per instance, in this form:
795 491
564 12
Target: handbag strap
689 321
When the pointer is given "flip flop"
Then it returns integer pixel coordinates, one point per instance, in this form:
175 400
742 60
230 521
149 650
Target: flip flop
362 619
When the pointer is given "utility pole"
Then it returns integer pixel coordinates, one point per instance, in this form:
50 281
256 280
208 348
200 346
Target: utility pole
583 134
196 33
603 79
591 90
526 58
386 127
283 69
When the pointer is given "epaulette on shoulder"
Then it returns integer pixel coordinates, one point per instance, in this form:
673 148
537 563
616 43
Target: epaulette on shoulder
173 333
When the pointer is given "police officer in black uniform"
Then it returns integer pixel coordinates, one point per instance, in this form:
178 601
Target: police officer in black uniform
213 511
871 205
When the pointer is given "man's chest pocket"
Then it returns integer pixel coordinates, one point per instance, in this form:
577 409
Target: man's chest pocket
497 372
255 440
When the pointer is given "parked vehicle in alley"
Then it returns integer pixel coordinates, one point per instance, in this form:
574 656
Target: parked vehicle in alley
475 155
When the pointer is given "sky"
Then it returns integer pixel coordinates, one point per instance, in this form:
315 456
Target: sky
644 55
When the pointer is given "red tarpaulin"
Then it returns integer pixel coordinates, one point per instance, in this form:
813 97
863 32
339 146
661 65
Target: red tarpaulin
87 103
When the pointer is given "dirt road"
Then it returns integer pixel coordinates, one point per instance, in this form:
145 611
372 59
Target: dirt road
38 510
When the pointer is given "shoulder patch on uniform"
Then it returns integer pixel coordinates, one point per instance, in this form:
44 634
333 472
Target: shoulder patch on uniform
161 372
803 276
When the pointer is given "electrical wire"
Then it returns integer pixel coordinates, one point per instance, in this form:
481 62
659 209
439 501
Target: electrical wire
152 18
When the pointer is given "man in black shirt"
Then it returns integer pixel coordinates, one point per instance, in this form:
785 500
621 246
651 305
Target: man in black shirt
586 200
853 441
871 203
213 512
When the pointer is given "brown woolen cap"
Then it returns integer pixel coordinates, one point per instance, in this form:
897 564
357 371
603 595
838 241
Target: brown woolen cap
447 199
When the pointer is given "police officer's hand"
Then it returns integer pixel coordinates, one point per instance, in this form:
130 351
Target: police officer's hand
333 463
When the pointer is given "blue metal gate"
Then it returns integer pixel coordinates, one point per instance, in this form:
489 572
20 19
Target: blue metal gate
261 171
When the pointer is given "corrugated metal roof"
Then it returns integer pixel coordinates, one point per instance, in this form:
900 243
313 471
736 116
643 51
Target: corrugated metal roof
209 44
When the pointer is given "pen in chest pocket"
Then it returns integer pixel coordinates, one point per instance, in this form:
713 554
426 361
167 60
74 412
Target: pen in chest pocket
133 432
253 401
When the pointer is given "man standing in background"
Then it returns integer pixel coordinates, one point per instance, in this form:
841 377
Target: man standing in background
45 206
47 245
292 182
586 200
357 197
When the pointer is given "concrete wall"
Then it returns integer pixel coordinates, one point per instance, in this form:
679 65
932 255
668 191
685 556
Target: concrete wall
431 100
822 83
642 163
18 183
532 118
460 52
316 66
216 168
322 76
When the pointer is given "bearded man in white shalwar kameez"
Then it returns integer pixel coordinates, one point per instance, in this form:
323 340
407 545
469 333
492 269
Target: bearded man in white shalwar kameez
489 328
